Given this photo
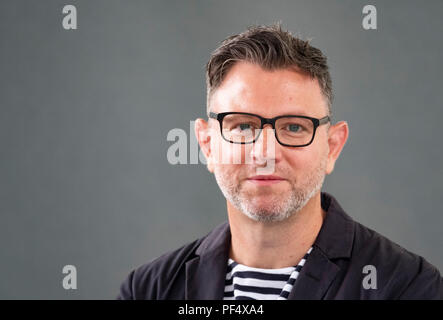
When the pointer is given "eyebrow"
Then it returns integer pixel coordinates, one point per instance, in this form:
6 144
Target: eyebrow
300 113
297 112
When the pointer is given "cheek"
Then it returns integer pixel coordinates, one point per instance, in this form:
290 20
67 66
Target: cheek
225 153
304 160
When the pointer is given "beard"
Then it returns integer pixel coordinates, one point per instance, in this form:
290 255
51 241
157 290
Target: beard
278 206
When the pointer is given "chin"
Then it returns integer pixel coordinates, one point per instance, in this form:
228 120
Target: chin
266 217
265 211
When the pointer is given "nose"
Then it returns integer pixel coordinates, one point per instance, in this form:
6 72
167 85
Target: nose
264 148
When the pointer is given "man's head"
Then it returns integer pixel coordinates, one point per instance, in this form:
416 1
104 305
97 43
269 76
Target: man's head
268 72
273 49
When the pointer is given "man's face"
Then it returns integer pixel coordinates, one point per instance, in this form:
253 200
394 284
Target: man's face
249 88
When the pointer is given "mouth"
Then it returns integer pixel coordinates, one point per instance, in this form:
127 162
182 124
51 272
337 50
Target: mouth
265 180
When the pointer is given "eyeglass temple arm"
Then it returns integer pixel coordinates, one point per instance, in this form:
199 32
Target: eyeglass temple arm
324 120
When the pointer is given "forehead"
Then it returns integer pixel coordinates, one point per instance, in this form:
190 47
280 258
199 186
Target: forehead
249 88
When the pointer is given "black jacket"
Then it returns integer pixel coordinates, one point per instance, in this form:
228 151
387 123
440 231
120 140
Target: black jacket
333 270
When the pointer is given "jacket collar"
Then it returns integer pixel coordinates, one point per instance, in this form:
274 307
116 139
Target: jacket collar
334 241
205 274
336 235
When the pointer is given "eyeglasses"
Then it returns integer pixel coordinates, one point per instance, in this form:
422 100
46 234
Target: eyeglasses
290 130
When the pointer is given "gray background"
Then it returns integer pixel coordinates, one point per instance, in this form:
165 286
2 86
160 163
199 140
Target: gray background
84 116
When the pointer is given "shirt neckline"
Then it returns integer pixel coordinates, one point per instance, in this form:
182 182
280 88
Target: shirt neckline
273 270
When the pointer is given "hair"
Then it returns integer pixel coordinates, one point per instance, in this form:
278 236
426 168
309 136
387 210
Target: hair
271 48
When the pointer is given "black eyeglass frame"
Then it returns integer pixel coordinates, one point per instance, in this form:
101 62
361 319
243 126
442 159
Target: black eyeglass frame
316 122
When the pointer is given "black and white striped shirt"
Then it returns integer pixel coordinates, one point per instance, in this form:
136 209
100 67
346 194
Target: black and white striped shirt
246 283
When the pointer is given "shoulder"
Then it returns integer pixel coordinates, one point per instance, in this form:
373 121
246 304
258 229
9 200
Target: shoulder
401 274
150 280
165 277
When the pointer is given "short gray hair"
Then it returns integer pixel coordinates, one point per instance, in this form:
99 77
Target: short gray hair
271 48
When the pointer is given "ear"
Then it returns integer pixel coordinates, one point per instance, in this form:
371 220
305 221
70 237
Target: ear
202 133
337 136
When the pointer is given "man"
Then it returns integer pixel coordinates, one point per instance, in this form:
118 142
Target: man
268 102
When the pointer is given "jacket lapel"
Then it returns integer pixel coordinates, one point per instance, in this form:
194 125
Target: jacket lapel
315 277
334 241
206 273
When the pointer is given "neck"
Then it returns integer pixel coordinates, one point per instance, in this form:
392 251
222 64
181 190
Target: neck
272 245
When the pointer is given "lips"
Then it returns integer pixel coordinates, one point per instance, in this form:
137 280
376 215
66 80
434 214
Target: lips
265 180
265 177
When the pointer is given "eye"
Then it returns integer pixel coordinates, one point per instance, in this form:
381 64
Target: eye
244 126
294 127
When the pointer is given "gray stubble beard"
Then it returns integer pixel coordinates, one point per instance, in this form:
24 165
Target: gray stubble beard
279 210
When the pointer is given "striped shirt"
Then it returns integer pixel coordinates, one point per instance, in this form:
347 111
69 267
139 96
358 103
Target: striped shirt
246 283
